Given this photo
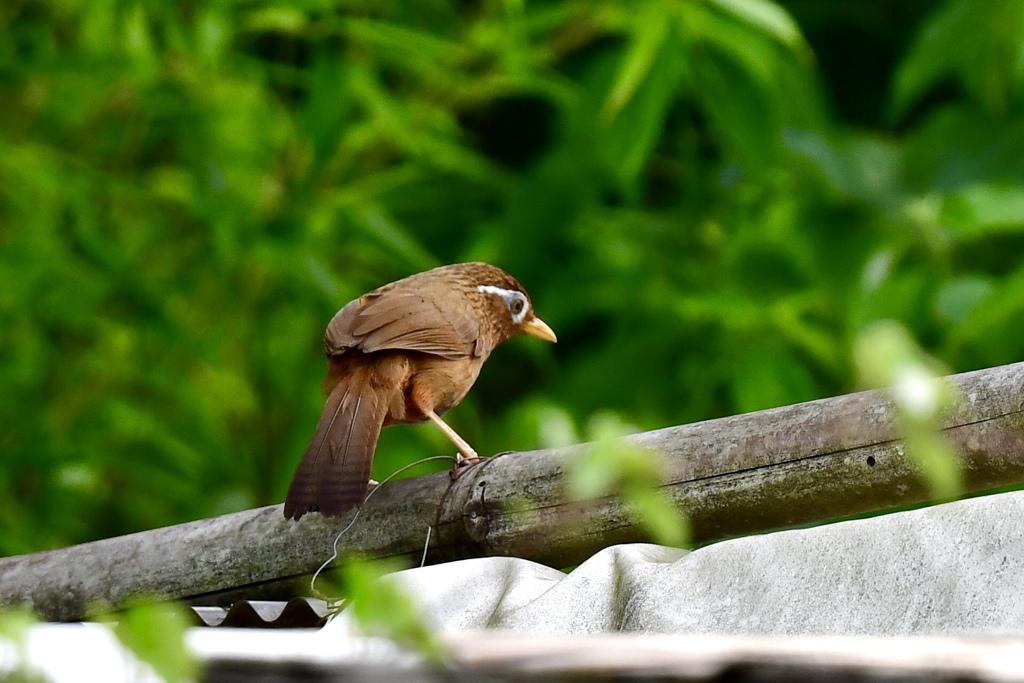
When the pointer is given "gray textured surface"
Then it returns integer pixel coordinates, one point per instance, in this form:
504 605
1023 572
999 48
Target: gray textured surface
956 568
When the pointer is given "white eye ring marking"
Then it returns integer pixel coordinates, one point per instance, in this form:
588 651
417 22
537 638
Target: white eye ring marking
512 300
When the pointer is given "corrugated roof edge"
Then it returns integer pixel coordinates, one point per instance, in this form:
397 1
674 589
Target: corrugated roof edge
296 613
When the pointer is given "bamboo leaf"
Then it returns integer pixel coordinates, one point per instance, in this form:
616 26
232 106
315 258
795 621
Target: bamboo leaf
767 16
646 40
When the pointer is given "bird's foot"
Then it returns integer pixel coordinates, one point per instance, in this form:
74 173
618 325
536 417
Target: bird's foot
462 463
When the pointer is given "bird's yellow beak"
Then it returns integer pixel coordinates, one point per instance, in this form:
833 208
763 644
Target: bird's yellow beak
535 327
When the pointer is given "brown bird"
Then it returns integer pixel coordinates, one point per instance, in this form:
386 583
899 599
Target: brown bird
404 353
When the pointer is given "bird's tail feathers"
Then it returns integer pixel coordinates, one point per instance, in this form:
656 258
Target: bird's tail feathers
334 472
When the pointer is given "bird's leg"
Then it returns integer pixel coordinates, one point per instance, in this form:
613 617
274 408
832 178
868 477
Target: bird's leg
465 450
466 455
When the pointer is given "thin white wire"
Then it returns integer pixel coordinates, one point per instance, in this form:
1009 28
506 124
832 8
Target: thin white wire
426 544
378 487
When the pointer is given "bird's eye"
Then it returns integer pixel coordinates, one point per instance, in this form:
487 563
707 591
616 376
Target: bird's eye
517 306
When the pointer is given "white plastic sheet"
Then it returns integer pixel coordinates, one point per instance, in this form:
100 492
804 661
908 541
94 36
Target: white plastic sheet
956 568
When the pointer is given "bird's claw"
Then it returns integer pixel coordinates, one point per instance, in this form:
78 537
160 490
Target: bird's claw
462 463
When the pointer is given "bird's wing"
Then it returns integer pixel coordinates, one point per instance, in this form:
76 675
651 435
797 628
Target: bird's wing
399 318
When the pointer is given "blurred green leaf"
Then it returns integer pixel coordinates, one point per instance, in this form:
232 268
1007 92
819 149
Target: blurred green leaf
769 17
983 208
766 377
866 170
937 460
886 356
381 608
556 428
957 298
743 116
631 126
990 327
279 18
155 633
885 351
613 466
15 625
649 31
137 40
978 44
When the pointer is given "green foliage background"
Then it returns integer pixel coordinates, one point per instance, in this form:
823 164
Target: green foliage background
707 199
